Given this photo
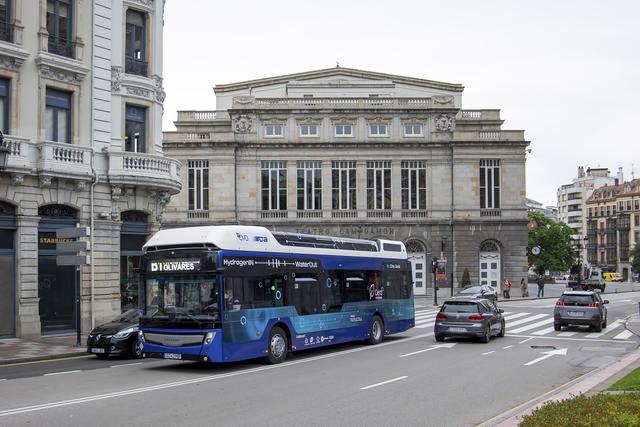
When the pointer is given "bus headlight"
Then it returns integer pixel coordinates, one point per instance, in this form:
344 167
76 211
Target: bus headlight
208 338
140 336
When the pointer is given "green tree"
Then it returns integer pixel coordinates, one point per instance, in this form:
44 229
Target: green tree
554 240
466 279
635 255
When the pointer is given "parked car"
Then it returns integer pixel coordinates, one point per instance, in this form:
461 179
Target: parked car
580 308
469 317
120 336
479 291
612 277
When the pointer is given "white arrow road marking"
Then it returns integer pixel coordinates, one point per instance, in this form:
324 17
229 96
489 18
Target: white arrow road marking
548 354
623 335
612 326
383 383
527 320
531 326
433 347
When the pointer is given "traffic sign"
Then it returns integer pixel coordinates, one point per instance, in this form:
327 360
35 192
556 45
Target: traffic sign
73 259
73 247
72 233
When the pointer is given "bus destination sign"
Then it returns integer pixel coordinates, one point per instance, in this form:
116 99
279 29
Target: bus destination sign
170 266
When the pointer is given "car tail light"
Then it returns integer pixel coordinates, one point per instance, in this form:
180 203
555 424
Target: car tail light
593 304
560 302
476 317
441 316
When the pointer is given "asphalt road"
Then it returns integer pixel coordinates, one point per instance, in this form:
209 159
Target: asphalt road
408 380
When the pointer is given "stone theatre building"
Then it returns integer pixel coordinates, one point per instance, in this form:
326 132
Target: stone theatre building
361 154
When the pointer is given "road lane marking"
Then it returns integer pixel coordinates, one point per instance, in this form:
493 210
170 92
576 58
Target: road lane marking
532 326
426 325
84 356
384 382
515 316
568 339
545 331
93 398
509 346
62 373
488 352
623 335
527 320
612 326
433 347
566 334
548 354
528 339
2 379
126 364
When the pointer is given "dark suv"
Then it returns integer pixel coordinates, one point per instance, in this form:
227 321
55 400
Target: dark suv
580 308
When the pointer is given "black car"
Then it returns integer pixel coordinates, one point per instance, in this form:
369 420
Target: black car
479 291
118 337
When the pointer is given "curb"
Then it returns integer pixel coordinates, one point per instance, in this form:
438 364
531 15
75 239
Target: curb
580 385
6 362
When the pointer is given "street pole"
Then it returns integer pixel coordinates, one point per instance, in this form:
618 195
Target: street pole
434 269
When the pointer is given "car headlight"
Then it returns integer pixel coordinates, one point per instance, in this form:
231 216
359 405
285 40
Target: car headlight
123 333
209 337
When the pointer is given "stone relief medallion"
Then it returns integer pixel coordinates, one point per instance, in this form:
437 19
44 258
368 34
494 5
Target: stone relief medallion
243 100
441 99
243 124
444 123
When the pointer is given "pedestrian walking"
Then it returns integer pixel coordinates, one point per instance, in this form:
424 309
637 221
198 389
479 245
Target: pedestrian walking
540 286
506 291
524 288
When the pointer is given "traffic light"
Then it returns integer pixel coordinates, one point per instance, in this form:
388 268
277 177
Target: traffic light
434 264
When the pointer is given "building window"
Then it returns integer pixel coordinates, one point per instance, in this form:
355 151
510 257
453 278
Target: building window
414 184
378 185
309 130
59 27
273 131
343 185
343 131
4 105
490 184
135 124
636 204
412 130
135 57
198 185
309 185
58 116
377 130
274 185
6 29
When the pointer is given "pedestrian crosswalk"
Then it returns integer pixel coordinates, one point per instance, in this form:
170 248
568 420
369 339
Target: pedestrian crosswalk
537 325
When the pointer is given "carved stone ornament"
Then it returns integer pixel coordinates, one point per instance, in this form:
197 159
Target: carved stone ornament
81 185
116 78
17 178
136 91
162 199
148 3
243 100
442 99
59 74
116 192
444 123
45 181
243 124
10 62
159 89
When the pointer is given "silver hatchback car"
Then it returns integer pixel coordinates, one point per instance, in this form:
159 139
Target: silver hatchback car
469 317
580 308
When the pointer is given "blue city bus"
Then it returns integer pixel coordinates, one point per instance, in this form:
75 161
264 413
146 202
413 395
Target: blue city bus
229 293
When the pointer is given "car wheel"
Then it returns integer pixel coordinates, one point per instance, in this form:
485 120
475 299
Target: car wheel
376 332
557 326
598 327
487 336
135 351
502 330
102 356
439 337
604 324
277 346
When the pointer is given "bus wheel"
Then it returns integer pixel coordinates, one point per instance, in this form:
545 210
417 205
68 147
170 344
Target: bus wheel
277 346
376 332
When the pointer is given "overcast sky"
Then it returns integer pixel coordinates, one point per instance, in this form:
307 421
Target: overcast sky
567 72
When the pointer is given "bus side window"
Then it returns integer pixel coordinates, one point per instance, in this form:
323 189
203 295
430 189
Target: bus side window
330 293
268 291
354 287
303 293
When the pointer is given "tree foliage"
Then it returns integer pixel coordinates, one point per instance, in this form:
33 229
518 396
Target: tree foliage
554 240
635 255
466 278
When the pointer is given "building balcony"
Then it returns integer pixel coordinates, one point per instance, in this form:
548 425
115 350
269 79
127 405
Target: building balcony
148 170
61 160
346 103
490 135
136 66
22 155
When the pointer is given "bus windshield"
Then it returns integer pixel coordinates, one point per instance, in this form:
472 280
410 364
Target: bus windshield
191 298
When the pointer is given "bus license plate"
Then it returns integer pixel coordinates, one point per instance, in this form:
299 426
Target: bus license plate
97 350
175 356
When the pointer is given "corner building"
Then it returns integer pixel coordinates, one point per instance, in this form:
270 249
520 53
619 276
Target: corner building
81 99
353 153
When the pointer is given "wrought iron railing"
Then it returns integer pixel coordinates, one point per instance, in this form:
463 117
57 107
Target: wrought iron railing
60 46
135 66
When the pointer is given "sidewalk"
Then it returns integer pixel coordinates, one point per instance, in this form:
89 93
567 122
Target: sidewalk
16 350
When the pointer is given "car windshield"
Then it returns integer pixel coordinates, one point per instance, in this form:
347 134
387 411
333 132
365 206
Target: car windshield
182 297
460 307
129 316
471 290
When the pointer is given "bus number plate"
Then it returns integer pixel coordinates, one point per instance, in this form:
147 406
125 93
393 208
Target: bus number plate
175 356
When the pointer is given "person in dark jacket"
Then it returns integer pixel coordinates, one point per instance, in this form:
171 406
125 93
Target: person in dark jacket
540 286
